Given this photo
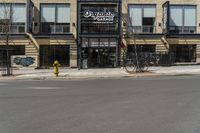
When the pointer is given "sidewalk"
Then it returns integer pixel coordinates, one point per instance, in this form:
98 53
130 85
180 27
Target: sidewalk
100 73
176 70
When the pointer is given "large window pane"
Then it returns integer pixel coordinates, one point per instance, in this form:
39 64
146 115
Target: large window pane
149 12
48 13
176 18
4 11
135 13
183 19
63 14
1 11
19 14
142 18
190 16
183 53
55 18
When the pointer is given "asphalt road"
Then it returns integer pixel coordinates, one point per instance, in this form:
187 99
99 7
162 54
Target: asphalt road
129 105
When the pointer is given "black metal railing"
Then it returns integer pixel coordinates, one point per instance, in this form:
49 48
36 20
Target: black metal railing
142 29
182 29
154 59
5 64
12 29
51 28
60 28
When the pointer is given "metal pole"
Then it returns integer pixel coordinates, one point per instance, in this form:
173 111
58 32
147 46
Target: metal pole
7 53
79 51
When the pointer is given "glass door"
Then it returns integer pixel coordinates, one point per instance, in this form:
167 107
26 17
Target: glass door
50 53
102 57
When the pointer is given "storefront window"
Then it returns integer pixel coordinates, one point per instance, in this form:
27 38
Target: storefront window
99 52
142 50
183 53
50 53
99 32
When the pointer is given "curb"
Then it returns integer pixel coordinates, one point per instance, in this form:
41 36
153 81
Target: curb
68 77
88 77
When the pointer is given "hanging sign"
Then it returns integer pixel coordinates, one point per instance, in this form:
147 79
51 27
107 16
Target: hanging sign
166 14
100 17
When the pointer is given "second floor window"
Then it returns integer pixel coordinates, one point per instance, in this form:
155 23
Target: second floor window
55 18
14 17
142 18
182 19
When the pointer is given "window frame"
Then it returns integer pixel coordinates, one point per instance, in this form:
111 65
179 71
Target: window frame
55 23
17 25
142 6
183 7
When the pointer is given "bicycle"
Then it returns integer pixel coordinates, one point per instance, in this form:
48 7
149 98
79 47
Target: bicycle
132 65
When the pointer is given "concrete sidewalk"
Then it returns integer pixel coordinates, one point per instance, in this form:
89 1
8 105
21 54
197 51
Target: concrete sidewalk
176 70
100 73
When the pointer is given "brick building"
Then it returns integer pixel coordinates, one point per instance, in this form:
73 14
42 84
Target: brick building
90 33
43 29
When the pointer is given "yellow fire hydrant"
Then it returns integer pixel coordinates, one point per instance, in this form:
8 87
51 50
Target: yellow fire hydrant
56 66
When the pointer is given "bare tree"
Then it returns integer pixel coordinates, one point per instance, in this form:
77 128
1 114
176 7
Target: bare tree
131 34
5 23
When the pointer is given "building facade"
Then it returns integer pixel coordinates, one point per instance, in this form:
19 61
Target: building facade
95 33
170 28
99 33
41 29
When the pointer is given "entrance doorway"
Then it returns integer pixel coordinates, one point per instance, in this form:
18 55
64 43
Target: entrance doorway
50 53
100 57
99 52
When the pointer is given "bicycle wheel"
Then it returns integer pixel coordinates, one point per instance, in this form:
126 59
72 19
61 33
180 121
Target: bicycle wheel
130 67
144 66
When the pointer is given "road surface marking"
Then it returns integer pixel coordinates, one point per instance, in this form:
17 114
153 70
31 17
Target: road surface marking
44 88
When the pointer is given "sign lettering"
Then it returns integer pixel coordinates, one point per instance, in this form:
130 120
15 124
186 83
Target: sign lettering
100 17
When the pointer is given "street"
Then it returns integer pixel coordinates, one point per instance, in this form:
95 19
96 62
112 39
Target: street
162 104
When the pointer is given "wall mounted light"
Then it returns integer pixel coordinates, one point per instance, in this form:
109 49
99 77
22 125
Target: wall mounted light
73 24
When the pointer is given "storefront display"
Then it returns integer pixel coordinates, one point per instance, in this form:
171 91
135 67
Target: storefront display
99 33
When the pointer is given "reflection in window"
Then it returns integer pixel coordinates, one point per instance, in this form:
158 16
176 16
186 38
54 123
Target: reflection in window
15 15
55 18
183 19
184 53
142 18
